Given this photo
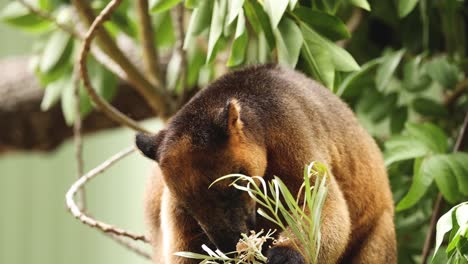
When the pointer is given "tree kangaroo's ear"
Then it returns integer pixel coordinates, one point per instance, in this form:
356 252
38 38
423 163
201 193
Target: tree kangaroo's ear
230 117
149 144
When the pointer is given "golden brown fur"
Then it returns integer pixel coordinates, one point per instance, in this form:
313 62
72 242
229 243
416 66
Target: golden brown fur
267 121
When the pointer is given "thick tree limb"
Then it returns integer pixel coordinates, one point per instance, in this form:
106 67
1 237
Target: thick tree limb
24 126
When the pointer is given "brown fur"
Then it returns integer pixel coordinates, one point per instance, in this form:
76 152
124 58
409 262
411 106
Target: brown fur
267 121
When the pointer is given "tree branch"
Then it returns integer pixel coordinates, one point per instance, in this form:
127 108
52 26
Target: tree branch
86 219
178 21
26 127
103 105
460 89
153 95
150 52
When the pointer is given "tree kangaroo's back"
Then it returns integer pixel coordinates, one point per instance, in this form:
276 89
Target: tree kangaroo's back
266 120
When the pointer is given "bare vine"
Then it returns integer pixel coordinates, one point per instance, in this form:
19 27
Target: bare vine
103 105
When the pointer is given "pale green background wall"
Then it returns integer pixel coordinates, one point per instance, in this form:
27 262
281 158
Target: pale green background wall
34 224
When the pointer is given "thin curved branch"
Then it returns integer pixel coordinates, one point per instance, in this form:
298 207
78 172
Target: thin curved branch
150 52
152 94
103 105
77 135
86 219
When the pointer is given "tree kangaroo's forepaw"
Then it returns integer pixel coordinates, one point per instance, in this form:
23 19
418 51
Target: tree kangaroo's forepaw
284 255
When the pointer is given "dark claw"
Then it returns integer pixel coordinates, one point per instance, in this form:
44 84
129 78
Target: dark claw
284 255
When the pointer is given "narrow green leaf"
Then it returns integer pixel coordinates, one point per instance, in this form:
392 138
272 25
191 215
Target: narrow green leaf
431 135
443 72
163 5
362 4
56 52
288 42
400 148
406 6
216 28
259 21
17 15
318 63
423 178
327 25
387 68
199 21
275 10
444 225
429 107
415 78
358 80
234 7
398 119
52 94
239 45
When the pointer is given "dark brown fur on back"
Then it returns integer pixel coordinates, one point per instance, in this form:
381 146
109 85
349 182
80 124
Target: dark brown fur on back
268 120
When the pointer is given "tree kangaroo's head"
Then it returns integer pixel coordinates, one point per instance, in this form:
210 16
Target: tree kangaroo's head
201 145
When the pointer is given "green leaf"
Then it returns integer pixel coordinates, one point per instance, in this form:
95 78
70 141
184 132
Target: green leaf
163 5
429 107
444 225
358 80
429 134
387 68
52 94
165 36
445 179
68 101
422 179
443 72
57 51
327 25
199 21
320 49
361 3
406 6
398 119
318 63
16 14
400 148
459 168
239 45
288 42
216 28
234 7
259 21
415 78
275 10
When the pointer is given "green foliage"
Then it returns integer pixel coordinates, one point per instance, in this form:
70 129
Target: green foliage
299 214
454 221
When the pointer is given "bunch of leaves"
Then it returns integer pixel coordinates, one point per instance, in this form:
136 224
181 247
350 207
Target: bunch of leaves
454 222
299 217
248 251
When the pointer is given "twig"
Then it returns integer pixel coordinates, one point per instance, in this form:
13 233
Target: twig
51 18
84 218
123 242
103 105
98 54
178 21
150 52
152 94
77 135
439 201
352 24
459 90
